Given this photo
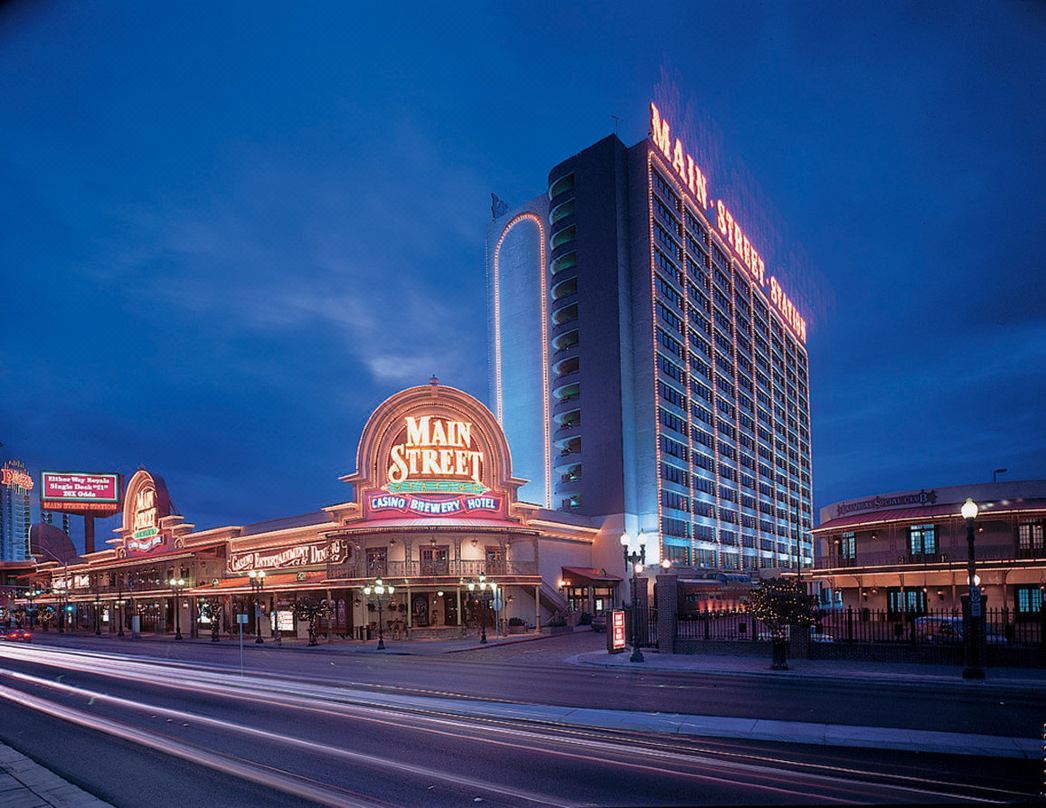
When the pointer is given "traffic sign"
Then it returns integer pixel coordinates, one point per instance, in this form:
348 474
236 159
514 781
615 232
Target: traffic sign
241 619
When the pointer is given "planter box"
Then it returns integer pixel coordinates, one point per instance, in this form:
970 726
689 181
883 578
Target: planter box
518 629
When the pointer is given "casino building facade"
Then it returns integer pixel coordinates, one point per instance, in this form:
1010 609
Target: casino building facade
646 367
433 507
907 551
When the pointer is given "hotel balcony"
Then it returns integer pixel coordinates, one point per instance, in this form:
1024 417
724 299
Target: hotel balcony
454 568
956 557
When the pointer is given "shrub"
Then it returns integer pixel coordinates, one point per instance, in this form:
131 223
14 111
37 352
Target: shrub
585 619
517 621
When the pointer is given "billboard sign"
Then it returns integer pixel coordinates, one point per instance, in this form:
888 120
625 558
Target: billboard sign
616 631
80 492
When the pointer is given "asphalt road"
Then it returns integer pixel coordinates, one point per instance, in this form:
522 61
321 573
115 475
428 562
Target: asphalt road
157 732
536 672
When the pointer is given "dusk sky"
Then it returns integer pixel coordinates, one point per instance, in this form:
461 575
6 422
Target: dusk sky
229 231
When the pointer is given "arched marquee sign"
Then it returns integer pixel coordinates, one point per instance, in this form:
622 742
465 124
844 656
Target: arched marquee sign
150 523
433 452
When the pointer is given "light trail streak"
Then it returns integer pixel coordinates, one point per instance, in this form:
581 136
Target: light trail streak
523 740
207 758
457 781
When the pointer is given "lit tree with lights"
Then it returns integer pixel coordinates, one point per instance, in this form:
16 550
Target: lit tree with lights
779 603
311 610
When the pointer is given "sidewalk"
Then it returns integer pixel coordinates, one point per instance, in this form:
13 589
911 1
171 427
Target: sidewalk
338 646
885 672
25 784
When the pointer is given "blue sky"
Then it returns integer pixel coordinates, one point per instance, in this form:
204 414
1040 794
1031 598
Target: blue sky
229 231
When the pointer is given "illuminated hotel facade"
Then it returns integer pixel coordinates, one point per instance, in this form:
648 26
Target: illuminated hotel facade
433 508
647 368
15 519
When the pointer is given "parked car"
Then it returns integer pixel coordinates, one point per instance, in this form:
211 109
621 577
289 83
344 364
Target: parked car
16 634
820 636
950 630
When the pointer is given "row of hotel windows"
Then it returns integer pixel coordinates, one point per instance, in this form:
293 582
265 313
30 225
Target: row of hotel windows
788 412
685 479
922 540
750 466
685 320
1027 600
699 309
710 264
685 556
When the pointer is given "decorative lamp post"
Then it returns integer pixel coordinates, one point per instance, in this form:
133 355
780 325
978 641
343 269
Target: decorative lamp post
177 584
257 584
97 612
974 602
120 603
32 594
635 558
379 589
484 587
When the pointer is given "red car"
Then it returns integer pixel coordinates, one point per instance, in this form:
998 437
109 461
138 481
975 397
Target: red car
16 634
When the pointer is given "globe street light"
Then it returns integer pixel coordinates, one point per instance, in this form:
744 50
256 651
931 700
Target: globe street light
176 584
257 584
635 557
974 610
379 589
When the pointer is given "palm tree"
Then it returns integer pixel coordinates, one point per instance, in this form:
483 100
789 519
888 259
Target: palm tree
312 609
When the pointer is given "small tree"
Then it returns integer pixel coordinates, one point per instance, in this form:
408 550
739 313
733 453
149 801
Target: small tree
212 608
45 615
311 610
779 603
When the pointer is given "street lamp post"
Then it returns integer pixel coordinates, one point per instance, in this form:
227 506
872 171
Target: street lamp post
97 611
257 584
484 586
120 603
379 589
177 584
974 602
32 594
635 558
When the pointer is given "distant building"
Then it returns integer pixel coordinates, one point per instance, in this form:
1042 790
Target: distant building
15 521
907 551
645 366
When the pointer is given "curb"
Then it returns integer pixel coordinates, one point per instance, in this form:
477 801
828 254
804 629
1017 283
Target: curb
871 678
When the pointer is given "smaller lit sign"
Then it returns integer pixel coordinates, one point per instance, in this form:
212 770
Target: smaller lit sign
284 620
616 632
431 506
15 476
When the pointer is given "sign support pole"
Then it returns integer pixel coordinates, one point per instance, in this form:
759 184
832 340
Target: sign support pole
88 533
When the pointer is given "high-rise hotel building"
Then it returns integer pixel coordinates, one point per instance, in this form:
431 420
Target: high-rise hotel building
645 365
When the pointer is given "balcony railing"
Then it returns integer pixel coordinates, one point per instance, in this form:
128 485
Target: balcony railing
456 568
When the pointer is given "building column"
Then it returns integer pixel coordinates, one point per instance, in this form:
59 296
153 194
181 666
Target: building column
537 606
461 617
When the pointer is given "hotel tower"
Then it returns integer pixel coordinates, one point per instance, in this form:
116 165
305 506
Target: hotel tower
645 364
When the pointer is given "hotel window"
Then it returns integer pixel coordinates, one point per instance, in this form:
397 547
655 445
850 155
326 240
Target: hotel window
1028 599
848 546
907 602
922 540
1030 539
377 561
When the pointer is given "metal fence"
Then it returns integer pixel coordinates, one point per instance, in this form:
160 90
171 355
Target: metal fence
936 626
735 626
647 625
